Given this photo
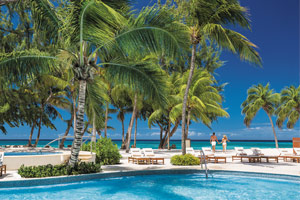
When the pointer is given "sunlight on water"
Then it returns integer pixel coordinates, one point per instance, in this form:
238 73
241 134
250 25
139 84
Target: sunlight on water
192 186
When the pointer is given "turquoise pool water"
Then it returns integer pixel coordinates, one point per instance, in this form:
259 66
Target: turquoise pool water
29 153
175 187
154 144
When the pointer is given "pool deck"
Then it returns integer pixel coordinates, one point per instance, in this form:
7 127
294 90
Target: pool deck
285 168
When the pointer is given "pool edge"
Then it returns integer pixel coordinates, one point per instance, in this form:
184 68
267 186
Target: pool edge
86 177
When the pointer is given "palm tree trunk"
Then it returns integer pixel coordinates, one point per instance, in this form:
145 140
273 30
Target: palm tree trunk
40 126
192 68
106 119
94 128
74 114
123 131
276 141
62 143
135 132
79 124
169 128
188 124
31 133
131 123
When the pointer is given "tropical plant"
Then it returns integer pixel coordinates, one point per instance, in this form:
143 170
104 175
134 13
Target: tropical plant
289 108
185 160
260 96
96 29
107 153
58 170
207 20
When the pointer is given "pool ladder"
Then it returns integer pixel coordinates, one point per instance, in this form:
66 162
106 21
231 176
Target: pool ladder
203 160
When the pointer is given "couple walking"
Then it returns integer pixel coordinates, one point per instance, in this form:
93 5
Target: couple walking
214 140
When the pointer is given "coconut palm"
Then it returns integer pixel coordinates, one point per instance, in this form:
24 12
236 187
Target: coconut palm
204 100
91 29
289 108
260 96
207 19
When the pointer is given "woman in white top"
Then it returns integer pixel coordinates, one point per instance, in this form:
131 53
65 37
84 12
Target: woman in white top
224 143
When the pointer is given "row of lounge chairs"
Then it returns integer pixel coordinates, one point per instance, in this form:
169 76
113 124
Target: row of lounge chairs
252 155
144 156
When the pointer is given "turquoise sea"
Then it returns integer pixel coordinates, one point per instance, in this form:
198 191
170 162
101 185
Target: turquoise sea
196 144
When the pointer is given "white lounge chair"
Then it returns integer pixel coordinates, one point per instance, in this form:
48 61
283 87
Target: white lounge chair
190 150
148 152
136 152
286 152
240 151
207 151
256 151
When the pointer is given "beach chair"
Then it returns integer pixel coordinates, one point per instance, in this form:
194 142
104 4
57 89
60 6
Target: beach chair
136 152
239 151
256 151
207 151
148 152
190 150
2 166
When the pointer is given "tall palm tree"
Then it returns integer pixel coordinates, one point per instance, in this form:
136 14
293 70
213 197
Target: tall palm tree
289 108
97 29
207 20
260 96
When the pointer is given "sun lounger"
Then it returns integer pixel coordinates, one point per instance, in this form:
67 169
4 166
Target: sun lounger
190 150
239 151
2 166
256 152
148 152
136 152
207 151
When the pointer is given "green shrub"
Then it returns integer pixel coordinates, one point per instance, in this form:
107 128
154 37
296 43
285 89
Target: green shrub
58 170
187 159
107 153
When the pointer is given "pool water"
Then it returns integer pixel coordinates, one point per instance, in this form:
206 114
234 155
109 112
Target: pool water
175 187
29 153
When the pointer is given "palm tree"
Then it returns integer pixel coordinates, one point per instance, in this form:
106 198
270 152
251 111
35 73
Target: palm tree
260 96
207 20
204 100
97 29
289 108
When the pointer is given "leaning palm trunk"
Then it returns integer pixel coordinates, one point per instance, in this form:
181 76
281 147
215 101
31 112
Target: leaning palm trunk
31 133
276 141
183 145
135 132
40 126
79 124
131 124
106 119
62 143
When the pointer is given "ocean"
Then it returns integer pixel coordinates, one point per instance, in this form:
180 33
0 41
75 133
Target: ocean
196 144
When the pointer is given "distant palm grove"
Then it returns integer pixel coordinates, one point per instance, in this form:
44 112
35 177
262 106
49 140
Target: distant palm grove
93 58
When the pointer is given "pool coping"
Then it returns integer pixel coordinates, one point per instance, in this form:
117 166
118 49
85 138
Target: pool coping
101 175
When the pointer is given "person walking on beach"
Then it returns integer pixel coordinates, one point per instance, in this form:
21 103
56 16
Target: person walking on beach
213 141
224 143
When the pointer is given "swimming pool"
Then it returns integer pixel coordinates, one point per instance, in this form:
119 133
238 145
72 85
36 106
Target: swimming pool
176 186
30 153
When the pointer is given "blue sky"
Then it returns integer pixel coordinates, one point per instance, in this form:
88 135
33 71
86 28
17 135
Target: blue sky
275 30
